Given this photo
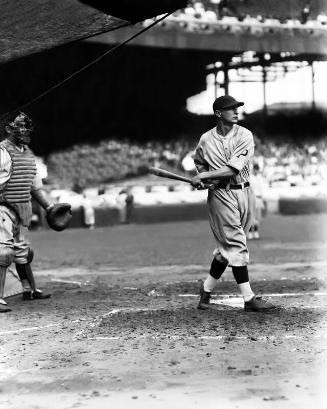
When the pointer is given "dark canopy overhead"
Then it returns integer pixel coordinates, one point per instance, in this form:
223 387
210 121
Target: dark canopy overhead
31 26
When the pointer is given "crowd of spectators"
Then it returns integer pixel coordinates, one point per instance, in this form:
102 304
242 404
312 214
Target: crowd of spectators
237 15
293 164
113 160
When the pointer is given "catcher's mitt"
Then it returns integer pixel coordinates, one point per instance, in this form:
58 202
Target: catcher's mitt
59 216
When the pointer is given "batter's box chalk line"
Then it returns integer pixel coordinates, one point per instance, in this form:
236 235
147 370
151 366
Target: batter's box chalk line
59 280
95 322
40 327
236 301
86 332
317 294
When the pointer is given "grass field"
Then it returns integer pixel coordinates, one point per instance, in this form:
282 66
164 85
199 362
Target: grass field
284 239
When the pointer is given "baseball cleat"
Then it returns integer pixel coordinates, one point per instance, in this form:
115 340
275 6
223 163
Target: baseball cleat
4 308
204 299
29 295
257 304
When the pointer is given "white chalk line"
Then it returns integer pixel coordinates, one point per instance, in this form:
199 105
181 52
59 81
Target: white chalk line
38 328
59 280
95 322
316 294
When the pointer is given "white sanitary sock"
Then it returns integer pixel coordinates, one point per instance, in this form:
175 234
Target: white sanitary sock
246 291
209 284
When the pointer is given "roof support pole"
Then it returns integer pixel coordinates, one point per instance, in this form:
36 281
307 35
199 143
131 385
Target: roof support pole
216 83
313 100
264 89
226 76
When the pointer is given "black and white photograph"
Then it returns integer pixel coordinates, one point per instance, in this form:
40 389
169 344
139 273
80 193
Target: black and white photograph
163 204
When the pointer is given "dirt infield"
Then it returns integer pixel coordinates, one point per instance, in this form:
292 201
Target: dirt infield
122 329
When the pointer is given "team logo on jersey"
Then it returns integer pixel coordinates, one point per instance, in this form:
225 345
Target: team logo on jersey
244 153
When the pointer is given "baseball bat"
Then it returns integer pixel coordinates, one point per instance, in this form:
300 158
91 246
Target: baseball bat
169 175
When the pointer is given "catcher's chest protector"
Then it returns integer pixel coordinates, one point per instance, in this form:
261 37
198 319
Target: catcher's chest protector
17 191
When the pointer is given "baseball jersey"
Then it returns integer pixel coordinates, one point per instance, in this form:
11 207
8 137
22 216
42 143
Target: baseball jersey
5 170
235 149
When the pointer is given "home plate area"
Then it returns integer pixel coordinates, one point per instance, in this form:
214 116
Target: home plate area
169 311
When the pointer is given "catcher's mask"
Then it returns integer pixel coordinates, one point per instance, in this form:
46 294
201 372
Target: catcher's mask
20 128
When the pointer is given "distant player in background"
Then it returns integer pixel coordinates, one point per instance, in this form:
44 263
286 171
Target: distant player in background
258 186
223 158
88 213
124 202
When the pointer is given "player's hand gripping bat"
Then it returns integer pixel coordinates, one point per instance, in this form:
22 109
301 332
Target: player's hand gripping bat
170 175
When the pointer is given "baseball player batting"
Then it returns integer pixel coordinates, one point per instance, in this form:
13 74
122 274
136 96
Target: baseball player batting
223 157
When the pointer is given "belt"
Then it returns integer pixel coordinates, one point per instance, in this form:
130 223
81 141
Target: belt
229 186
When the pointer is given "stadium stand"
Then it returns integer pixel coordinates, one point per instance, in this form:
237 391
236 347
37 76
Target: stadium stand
113 161
237 15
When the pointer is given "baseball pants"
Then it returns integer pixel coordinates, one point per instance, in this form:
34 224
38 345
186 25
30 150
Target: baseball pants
14 235
230 217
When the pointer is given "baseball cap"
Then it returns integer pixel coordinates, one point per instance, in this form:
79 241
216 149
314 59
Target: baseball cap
226 102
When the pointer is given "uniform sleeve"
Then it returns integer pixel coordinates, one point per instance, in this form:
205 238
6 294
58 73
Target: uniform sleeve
5 165
199 161
37 182
5 159
243 152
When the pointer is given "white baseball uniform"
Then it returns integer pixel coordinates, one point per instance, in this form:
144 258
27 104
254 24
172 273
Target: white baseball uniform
258 187
230 214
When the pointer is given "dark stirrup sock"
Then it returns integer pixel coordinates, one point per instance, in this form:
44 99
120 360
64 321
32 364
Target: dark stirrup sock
217 268
241 274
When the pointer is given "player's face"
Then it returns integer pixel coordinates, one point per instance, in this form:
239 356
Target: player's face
20 129
230 116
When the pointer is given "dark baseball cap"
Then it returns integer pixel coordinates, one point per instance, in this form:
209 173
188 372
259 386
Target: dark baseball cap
226 102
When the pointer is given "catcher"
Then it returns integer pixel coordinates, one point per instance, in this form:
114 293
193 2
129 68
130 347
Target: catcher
19 181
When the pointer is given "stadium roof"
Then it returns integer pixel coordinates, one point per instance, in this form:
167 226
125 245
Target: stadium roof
31 26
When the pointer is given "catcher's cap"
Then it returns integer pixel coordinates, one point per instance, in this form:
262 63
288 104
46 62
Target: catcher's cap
226 102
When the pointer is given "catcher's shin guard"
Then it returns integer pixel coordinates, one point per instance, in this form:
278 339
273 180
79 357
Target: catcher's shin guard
3 272
25 272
